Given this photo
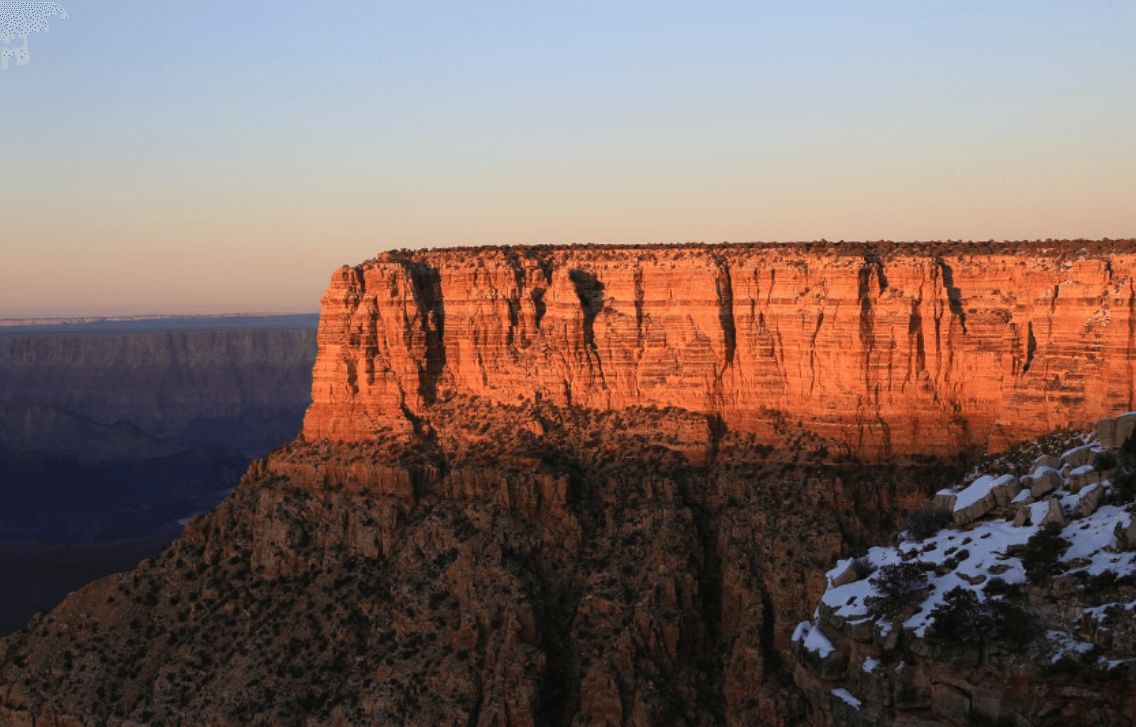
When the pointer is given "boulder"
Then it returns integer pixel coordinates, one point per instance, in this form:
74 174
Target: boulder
1005 489
1082 477
1078 456
1046 460
1125 535
1090 499
1022 517
848 575
1106 433
975 510
1044 479
945 500
1054 515
1125 424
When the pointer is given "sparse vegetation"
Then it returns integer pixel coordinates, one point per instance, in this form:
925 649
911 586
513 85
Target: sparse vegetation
899 587
925 523
1042 552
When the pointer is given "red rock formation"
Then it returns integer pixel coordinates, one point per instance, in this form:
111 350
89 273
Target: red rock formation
890 349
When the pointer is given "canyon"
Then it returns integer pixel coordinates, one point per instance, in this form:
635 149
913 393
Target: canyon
111 432
589 485
246 387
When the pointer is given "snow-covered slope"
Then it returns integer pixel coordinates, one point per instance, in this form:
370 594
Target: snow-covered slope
1033 577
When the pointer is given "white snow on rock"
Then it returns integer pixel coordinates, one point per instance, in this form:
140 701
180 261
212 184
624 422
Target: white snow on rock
1091 540
847 697
978 489
814 640
870 665
848 600
1064 644
1097 613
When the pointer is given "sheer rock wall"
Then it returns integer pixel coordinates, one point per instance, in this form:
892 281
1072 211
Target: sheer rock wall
890 349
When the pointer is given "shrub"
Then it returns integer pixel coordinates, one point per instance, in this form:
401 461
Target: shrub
1095 584
961 619
1104 461
997 586
1042 551
863 567
925 523
955 620
900 587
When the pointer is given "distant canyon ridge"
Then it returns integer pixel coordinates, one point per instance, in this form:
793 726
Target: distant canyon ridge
889 349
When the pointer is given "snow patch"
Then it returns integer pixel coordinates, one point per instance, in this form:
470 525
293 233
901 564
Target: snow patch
814 640
846 697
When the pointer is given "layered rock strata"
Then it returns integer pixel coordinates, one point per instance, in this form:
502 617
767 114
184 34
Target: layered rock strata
889 349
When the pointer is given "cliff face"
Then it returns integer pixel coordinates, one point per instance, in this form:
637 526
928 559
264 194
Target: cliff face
891 350
252 384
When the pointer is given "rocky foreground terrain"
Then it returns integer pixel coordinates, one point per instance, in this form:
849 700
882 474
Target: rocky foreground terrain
575 486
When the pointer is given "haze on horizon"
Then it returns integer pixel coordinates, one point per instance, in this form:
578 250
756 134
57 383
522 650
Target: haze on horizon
208 157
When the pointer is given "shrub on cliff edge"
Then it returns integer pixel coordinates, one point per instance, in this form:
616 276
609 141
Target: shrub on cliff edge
962 620
925 523
900 588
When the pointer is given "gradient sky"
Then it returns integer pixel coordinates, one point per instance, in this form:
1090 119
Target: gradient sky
194 156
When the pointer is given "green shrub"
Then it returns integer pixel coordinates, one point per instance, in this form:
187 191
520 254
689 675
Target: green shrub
1042 551
961 619
1104 461
863 567
925 523
900 588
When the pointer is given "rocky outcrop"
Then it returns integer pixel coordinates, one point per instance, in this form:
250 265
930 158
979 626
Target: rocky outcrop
889 349
1002 624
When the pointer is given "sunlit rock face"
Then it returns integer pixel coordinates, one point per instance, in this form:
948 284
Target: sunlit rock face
889 349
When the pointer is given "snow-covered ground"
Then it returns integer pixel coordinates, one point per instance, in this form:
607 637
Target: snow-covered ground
974 555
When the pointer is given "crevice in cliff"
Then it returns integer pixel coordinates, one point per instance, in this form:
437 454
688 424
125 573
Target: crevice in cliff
725 292
772 662
1031 348
539 304
915 336
639 306
867 321
427 283
590 292
813 353
954 295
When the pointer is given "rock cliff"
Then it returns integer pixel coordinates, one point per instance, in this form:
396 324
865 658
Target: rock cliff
889 349
587 486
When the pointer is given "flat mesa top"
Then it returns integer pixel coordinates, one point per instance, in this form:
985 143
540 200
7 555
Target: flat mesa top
882 249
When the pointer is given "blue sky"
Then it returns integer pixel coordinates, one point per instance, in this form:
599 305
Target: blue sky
204 157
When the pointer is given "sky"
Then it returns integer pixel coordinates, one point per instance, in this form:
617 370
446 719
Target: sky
195 156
